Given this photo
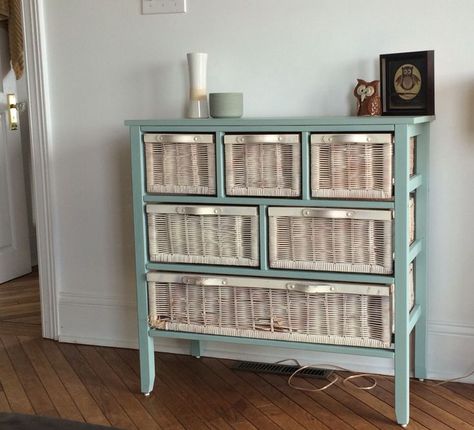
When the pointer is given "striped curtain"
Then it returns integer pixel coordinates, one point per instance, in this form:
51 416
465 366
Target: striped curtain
10 10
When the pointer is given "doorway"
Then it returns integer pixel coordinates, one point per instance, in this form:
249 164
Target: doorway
20 307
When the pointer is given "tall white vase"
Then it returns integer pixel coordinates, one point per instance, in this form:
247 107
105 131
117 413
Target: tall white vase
197 105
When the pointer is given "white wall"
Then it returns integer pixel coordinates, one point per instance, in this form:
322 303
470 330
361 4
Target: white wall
108 63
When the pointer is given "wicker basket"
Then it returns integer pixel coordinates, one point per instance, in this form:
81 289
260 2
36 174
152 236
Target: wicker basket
180 163
263 165
300 311
412 225
341 240
203 234
351 166
412 156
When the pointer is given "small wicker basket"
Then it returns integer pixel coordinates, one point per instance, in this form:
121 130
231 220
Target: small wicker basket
203 234
299 311
412 165
341 240
351 166
180 163
263 165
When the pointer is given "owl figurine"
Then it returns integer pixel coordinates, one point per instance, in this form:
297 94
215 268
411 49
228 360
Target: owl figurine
368 99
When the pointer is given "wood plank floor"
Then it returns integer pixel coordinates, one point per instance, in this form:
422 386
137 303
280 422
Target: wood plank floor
101 386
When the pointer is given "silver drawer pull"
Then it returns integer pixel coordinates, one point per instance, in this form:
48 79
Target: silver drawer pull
199 280
341 213
192 210
352 138
311 289
178 138
262 138
368 290
328 213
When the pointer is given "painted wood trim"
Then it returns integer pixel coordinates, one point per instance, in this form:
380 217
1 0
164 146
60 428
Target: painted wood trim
415 249
272 273
147 351
367 352
41 150
415 182
414 317
253 201
402 347
291 121
421 263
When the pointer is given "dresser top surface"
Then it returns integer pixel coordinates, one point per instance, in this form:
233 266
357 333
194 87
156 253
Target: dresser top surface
284 121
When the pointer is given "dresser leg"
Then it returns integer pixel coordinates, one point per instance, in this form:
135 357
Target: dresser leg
196 348
402 383
147 363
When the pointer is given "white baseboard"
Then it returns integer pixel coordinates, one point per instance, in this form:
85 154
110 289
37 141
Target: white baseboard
111 321
450 350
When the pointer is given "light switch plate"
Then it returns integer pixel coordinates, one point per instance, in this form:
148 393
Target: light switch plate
163 6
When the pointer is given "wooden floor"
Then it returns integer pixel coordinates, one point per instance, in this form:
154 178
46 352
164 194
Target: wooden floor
20 311
101 385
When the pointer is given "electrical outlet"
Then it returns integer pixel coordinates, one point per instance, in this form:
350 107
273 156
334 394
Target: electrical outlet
163 6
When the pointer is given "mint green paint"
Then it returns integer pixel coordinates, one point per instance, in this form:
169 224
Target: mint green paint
402 350
405 321
352 350
414 317
421 266
272 273
415 248
278 122
414 183
305 167
262 214
196 348
220 166
147 357
254 201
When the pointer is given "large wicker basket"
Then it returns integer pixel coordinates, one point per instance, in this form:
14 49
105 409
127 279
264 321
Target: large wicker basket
180 163
300 311
203 234
342 240
351 166
263 165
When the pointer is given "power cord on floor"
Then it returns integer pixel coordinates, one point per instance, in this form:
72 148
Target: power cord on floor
331 381
453 379
335 378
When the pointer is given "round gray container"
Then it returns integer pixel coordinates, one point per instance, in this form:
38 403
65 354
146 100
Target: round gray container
226 105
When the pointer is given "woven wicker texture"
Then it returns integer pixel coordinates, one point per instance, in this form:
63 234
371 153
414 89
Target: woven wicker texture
351 170
263 169
10 10
344 319
180 168
203 239
412 224
412 155
341 245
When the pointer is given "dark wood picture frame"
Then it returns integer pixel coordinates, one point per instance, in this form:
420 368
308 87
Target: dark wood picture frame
407 83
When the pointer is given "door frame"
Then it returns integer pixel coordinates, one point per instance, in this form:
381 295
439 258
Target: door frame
41 155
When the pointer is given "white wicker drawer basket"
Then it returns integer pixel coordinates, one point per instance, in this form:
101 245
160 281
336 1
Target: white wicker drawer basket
341 240
203 234
263 164
180 163
351 166
301 311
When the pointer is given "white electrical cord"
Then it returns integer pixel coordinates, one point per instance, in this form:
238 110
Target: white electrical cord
345 381
331 381
453 379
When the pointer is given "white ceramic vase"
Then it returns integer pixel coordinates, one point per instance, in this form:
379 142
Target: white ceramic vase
197 66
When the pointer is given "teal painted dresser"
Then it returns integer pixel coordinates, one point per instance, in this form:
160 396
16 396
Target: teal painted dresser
304 233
